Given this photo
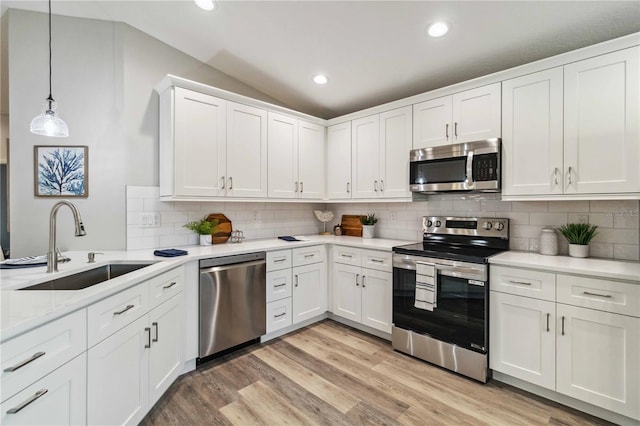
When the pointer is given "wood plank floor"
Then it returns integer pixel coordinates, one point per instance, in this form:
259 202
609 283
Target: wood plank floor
330 374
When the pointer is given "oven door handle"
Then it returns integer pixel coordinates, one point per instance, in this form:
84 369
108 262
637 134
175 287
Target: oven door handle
469 183
461 272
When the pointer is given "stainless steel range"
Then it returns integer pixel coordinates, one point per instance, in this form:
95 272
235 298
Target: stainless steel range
441 290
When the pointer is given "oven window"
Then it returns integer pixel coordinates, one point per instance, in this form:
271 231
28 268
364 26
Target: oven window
458 318
439 171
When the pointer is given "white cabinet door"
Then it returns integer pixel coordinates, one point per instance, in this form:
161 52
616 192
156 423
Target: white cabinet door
601 127
598 358
522 338
339 161
59 398
282 156
476 114
311 160
167 343
432 123
365 157
395 145
377 299
309 291
200 143
347 295
246 173
117 376
532 136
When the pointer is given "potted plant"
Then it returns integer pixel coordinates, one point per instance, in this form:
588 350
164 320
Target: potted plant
578 235
204 228
368 225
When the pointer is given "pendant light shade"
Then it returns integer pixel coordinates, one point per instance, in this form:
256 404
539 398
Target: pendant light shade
48 123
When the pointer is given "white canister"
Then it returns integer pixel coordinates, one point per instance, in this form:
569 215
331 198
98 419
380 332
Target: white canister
548 242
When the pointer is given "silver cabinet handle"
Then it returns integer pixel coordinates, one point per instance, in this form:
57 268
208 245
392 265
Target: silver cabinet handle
25 362
155 324
381 185
123 310
170 285
297 281
563 325
230 183
375 185
282 259
280 315
279 285
455 129
309 256
348 189
363 277
548 316
357 283
377 260
446 131
588 293
519 282
301 187
35 396
222 186
569 175
348 256
555 176
148 331
296 186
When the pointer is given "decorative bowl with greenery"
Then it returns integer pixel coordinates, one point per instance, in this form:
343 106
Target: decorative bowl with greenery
578 235
369 219
204 228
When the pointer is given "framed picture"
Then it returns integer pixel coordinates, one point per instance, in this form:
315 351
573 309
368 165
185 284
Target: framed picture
61 171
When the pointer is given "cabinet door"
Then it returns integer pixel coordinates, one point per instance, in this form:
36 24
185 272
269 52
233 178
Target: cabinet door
339 161
365 157
476 114
395 145
309 291
522 338
532 133
200 143
311 160
601 127
246 151
117 376
59 398
432 123
167 342
282 156
376 299
347 295
598 358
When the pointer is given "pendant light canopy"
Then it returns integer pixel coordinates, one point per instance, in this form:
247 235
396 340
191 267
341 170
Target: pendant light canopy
48 123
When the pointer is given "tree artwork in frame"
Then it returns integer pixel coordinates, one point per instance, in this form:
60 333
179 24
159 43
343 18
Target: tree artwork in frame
61 171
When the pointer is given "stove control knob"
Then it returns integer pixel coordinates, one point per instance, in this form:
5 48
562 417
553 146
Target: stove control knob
487 226
498 226
438 223
429 223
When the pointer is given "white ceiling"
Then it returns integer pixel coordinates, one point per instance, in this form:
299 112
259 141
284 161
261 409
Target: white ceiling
373 51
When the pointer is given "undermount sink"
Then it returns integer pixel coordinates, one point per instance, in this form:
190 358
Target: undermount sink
88 278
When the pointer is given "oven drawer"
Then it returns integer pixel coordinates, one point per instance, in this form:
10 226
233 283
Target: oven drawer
347 255
595 293
379 260
523 282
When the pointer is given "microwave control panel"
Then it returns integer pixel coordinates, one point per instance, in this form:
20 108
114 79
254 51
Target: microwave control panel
485 167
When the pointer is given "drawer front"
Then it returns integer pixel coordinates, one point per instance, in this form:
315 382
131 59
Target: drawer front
110 315
32 355
277 260
347 255
379 260
523 282
278 285
595 293
165 286
308 255
278 314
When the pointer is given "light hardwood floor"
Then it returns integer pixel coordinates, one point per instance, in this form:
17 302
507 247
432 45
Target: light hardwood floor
330 374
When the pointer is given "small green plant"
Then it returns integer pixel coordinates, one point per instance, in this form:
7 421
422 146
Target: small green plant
578 233
202 226
369 219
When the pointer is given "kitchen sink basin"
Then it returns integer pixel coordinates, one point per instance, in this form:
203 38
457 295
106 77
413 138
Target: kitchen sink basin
88 278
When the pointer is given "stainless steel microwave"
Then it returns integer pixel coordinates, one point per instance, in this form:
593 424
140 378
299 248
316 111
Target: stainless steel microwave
467 167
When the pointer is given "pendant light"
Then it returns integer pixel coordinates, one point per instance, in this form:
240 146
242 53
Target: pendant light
48 123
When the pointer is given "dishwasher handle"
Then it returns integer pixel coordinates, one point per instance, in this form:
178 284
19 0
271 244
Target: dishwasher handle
232 266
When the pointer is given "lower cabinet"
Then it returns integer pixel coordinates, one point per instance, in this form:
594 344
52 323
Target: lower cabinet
309 291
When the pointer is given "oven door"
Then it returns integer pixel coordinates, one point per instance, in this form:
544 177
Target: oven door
460 302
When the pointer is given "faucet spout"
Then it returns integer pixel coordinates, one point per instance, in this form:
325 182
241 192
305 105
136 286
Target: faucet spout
52 254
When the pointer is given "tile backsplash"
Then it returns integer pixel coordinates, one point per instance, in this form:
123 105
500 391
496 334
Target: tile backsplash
618 221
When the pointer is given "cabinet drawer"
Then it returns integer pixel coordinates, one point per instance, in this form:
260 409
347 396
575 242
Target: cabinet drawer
278 314
277 260
595 293
110 315
165 286
375 259
347 255
308 255
32 355
278 285
523 282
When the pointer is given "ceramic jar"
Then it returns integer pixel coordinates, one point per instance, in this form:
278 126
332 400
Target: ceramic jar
548 242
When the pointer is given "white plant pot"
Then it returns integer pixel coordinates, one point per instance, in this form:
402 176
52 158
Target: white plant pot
368 231
578 250
205 240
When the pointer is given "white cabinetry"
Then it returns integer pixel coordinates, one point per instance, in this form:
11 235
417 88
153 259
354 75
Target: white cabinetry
339 161
462 117
296 158
279 290
309 282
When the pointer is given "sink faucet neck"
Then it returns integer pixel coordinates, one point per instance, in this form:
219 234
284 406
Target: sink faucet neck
52 257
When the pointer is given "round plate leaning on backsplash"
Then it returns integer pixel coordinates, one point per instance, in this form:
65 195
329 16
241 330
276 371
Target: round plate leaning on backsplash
223 230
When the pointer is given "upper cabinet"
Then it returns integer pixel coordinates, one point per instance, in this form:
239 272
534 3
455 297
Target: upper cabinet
462 117
339 161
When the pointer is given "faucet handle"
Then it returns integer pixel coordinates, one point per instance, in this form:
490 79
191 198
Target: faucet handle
92 256
61 258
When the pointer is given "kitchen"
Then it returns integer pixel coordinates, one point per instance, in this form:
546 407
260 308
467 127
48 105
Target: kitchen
120 126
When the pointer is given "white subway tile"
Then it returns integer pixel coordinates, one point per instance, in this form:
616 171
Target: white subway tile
602 220
529 206
626 221
517 243
526 231
135 204
569 206
604 250
626 251
616 236
134 231
516 218
613 206
547 219
174 217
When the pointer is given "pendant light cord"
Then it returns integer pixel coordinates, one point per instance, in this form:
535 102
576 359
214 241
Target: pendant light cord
50 98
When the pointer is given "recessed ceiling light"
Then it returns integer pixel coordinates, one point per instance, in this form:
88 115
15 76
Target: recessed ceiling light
206 4
438 29
320 79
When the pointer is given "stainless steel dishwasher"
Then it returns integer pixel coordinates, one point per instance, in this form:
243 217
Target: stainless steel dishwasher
232 301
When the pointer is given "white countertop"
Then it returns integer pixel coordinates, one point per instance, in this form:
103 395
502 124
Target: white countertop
605 268
23 310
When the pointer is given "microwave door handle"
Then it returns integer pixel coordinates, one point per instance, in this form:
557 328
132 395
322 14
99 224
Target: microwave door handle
469 181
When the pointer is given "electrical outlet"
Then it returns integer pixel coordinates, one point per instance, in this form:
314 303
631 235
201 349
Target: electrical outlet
255 216
149 220
582 218
393 216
